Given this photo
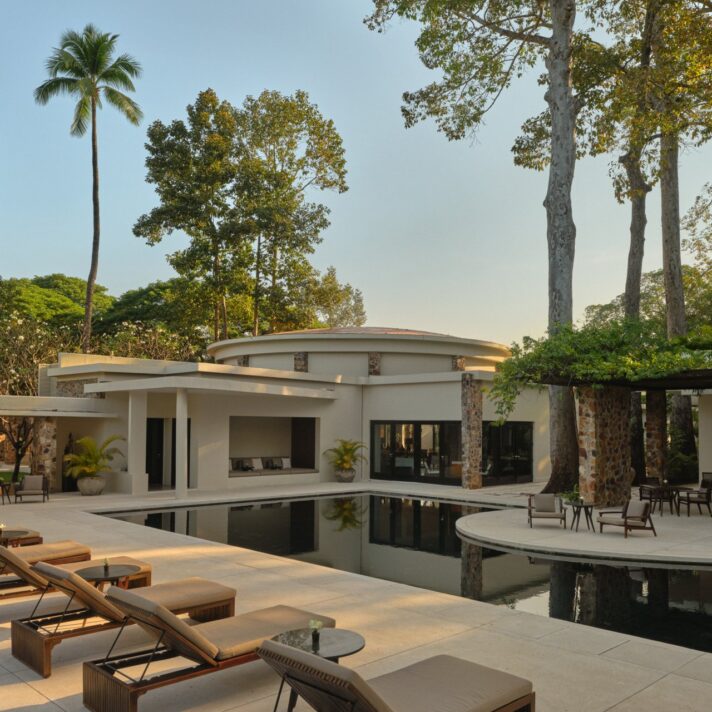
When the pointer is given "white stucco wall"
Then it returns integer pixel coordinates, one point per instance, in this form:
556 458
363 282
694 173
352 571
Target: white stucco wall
260 437
705 433
279 362
345 364
395 364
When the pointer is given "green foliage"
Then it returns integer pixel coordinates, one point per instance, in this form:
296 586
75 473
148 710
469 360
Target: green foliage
85 67
597 354
346 454
338 304
572 495
91 458
680 466
348 512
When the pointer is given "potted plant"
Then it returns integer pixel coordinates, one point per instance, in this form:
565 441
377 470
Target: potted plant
88 463
344 457
572 496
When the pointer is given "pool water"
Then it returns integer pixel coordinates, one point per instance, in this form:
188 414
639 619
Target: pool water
413 541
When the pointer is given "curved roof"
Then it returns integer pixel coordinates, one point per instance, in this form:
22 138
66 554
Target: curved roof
363 330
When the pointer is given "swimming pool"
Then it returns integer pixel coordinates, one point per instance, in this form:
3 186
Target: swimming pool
413 541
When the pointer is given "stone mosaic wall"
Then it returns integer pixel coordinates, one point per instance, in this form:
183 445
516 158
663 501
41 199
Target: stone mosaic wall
243 361
374 363
471 396
75 388
655 434
605 475
458 363
301 361
44 451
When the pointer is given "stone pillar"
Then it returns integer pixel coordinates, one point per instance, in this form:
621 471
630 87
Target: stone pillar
181 443
604 445
243 361
44 451
471 397
301 361
136 442
458 363
75 388
655 434
374 363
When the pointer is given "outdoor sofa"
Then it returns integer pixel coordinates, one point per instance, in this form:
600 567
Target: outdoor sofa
205 648
635 515
16 576
88 611
442 683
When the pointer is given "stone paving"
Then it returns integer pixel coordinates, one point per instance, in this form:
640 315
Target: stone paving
573 667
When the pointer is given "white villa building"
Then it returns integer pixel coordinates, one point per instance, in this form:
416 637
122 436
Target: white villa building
269 407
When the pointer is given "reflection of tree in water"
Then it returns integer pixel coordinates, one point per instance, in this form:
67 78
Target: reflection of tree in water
471 564
348 512
652 603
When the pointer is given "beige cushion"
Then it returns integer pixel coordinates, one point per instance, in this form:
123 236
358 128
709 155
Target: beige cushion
153 613
257 463
547 515
619 521
636 508
55 550
32 484
545 502
71 583
448 684
10 562
186 593
246 632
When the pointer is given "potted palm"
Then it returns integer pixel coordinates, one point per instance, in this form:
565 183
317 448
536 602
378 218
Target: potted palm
344 457
90 461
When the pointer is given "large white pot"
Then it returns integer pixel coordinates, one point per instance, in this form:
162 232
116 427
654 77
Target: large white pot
91 485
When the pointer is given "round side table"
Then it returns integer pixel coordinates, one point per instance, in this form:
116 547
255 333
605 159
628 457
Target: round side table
116 574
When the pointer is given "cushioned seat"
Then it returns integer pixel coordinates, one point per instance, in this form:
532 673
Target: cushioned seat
64 549
448 684
186 593
246 632
546 515
619 521
439 684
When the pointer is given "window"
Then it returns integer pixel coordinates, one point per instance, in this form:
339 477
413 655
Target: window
431 451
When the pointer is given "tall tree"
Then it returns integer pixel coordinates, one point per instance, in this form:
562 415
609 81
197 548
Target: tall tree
288 149
193 166
480 46
84 66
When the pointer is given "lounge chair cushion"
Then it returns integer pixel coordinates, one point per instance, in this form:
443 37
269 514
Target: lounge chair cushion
619 521
156 614
10 562
246 632
636 508
186 593
55 550
545 502
547 515
31 484
448 684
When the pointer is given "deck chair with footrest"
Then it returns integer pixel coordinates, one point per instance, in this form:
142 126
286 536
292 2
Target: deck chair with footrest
205 648
442 683
88 611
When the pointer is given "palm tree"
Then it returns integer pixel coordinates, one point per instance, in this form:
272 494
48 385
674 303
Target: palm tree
84 67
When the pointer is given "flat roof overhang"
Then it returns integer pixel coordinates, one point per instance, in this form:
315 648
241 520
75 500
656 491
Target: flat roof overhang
700 379
213 386
53 407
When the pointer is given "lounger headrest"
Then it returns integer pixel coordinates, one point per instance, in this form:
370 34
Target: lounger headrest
321 674
72 583
154 615
11 563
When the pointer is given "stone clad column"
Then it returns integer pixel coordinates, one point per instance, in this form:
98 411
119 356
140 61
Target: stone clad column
458 363
604 445
44 451
301 361
655 434
374 363
181 443
471 396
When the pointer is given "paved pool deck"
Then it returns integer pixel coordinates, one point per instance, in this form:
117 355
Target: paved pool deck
573 667
681 542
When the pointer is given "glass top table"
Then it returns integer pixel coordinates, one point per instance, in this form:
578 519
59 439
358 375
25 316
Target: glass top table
114 573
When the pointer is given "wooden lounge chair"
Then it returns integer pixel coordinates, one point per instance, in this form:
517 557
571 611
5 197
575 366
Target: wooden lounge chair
88 611
634 516
206 648
16 576
700 497
442 683
545 506
32 486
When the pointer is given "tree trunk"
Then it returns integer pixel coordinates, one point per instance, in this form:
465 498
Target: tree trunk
638 191
91 280
220 326
681 425
561 235
256 294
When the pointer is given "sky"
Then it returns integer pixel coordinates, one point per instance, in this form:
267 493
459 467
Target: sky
442 236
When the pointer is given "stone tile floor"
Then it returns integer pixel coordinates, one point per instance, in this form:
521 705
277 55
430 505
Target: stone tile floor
573 668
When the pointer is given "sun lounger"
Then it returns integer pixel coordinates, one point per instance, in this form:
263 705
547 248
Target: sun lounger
88 611
442 683
16 576
206 648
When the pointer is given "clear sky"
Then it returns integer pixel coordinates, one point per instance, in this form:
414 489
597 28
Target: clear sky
441 236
